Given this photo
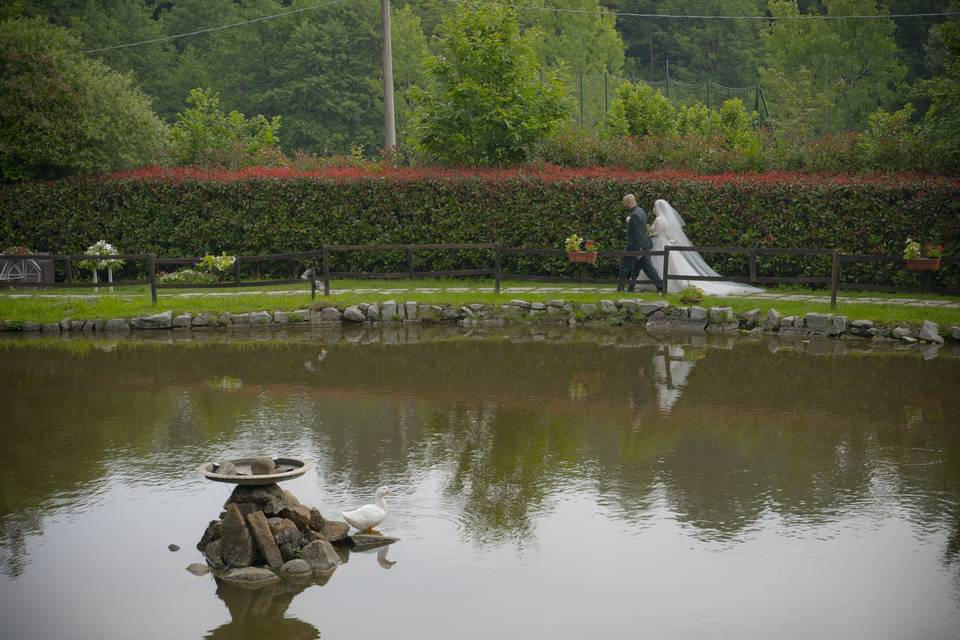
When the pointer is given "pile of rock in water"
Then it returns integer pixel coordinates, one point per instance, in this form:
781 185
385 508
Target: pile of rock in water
265 534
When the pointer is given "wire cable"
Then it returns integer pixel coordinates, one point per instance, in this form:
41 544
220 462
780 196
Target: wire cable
210 29
601 12
678 16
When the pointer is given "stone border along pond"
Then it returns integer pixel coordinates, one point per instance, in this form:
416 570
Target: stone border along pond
655 316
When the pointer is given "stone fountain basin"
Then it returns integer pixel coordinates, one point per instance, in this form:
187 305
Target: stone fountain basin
299 467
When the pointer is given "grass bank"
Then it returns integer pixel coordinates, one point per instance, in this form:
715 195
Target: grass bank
80 304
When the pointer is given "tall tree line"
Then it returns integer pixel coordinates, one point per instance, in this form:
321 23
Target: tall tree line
320 68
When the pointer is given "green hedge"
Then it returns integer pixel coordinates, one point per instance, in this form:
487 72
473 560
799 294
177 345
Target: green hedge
187 213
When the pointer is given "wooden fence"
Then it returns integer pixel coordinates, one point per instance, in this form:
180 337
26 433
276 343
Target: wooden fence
832 280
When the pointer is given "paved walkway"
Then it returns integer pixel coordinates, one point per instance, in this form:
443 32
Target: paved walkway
910 302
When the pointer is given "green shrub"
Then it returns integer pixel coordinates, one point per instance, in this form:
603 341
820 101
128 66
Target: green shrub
834 152
184 213
206 136
638 110
696 118
891 141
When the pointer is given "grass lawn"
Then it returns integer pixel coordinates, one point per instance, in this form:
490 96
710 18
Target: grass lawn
134 301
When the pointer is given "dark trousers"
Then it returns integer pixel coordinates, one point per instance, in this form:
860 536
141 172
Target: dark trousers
629 271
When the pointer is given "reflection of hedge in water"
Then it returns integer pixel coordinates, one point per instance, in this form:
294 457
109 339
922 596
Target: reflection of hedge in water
245 214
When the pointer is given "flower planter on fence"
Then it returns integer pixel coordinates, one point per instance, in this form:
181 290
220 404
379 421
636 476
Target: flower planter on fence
590 257
924 264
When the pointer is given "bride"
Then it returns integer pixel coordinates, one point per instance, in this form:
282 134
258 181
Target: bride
667 230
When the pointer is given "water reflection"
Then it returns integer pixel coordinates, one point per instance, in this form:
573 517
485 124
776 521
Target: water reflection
495 435
262 612
672 366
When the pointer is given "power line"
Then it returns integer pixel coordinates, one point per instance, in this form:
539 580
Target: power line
677 16
550 9
220 28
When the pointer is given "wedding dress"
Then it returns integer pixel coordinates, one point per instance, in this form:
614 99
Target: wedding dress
667 230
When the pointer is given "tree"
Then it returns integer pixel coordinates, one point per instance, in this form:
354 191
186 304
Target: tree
62 113
104 23
582 47
204 133
325 78
410 54
942 121
854 62
725 51
581 42
487 103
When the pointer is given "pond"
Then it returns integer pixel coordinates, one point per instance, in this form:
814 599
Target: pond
561 484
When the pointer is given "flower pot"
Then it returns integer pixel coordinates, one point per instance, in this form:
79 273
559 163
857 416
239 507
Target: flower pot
924 264
590 257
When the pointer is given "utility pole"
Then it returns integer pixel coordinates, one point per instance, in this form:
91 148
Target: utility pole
389 123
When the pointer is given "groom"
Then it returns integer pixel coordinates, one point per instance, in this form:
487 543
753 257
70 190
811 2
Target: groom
637 240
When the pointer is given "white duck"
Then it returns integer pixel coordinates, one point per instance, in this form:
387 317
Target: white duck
369 515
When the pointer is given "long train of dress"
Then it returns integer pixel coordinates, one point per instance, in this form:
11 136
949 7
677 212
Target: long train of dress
667 229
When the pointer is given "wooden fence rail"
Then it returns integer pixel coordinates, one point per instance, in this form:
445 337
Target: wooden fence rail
322 259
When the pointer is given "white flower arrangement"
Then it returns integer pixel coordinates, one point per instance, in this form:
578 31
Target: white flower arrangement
101 248
212 263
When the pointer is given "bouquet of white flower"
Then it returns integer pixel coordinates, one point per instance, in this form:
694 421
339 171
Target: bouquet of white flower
101 248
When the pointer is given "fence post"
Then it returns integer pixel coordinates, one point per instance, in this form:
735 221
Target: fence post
834 279
313 276
753 266
152 276
326 271
69 267
496 269
666 269
236 271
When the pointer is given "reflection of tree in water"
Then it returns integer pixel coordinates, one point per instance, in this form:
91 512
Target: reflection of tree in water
502 465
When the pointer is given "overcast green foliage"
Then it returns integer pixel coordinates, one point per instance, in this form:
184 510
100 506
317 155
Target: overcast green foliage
320 69
586 42
855 62
727 51
487 102
62 113
942 121
203 131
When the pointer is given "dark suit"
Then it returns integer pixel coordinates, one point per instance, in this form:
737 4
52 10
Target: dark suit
638 240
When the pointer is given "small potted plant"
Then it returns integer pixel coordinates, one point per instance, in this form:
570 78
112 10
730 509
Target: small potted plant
580 250
922 258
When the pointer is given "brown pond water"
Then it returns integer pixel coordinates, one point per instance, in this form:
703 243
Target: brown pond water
562 485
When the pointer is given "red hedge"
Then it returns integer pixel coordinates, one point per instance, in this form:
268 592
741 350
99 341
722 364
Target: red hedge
547 173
